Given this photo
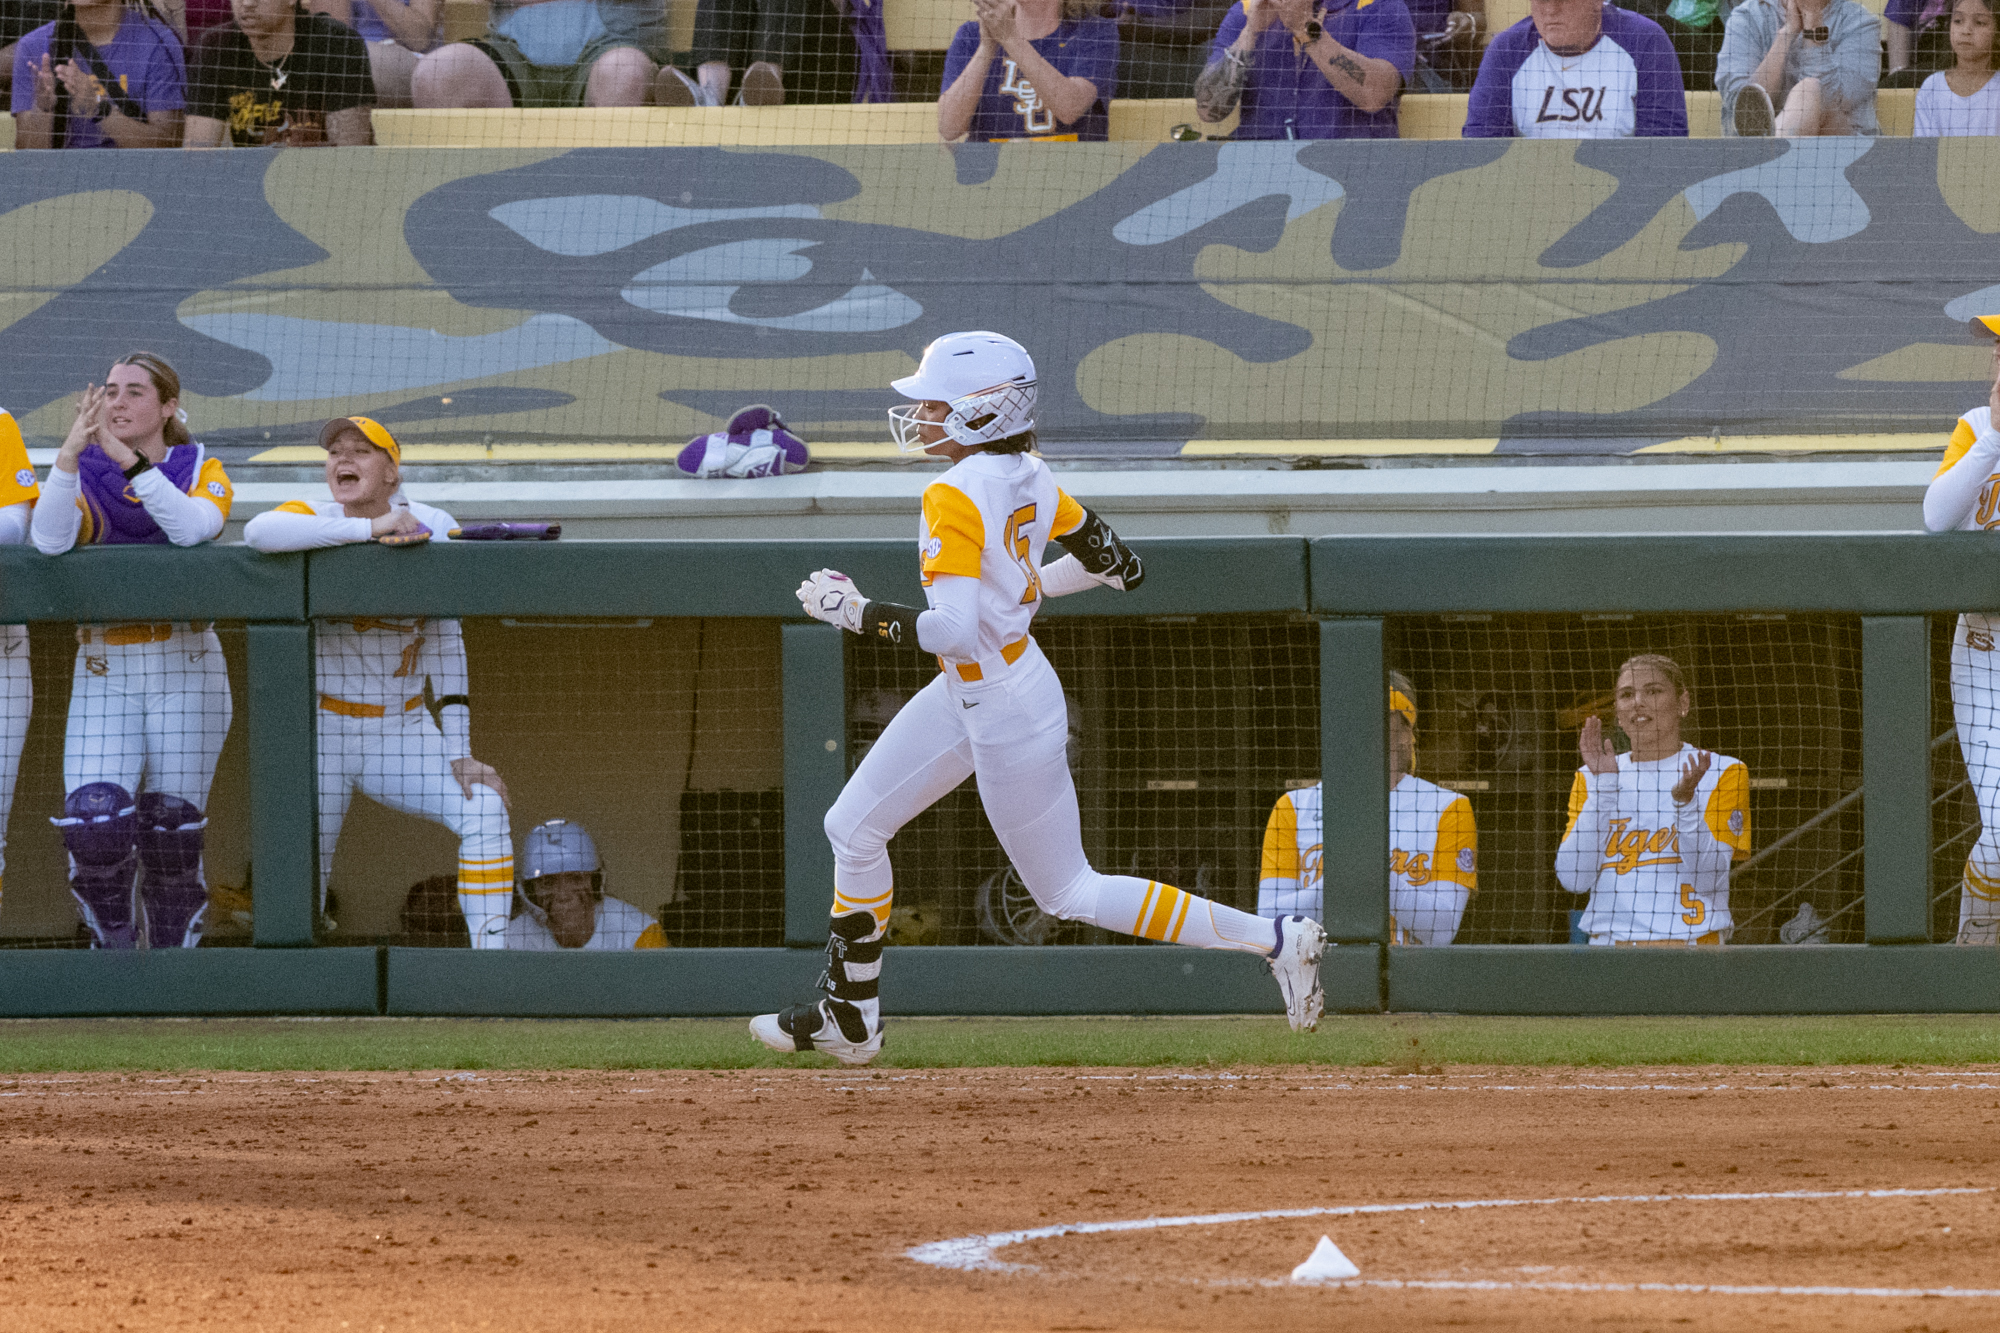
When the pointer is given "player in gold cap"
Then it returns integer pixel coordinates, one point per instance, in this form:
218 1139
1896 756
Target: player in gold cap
375 735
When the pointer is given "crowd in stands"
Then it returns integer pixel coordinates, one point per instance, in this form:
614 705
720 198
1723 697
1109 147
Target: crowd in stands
155 73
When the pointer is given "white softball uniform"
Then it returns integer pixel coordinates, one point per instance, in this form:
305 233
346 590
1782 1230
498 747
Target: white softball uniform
1655 871
1433 859
620 925
1964 496
17 686
996 713
375 734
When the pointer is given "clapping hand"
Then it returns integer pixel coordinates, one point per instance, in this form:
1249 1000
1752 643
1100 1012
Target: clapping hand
998 23
1795 19
45 86
1692 772
1257 14
1295 14
1595 746
88 426
85 91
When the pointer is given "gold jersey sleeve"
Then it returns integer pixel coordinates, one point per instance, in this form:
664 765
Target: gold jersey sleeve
17 476
1281 841
1579 792
1069 515
1728 813
212 483
1457 857
954 533
1962 438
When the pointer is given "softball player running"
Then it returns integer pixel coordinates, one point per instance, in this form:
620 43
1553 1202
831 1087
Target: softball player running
1652 832
995 712
1965 496
17 687
375 735
149 704
1434 846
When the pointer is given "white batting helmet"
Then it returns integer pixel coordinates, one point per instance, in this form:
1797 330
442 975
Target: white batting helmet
988 381
556 847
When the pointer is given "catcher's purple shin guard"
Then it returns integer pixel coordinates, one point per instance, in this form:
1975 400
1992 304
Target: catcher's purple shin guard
170 839
100 827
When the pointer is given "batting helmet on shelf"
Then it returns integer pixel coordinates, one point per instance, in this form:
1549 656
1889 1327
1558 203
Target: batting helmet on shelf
986 379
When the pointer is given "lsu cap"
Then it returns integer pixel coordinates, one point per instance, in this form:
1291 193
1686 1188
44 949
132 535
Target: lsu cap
1984 328
372 431
1401 703
558 847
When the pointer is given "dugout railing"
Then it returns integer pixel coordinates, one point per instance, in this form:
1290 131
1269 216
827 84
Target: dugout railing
1354 589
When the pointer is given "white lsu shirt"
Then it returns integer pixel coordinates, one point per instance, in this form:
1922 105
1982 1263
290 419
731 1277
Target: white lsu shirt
988 518
1654 870
369 661
1433 859
1591 96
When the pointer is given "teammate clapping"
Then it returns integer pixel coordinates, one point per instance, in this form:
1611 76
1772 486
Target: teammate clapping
375 735
995 712
149 703
1652 832
1434 844
1965 495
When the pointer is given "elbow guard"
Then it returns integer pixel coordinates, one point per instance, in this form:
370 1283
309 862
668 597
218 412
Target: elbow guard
887 622
1102 555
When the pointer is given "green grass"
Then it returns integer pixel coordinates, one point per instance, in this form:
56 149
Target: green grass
167 1045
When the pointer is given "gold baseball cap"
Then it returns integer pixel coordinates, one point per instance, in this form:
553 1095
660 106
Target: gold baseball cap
1400 702
1986 328
372 431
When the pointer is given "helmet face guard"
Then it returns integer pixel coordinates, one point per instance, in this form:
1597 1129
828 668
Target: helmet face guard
977 418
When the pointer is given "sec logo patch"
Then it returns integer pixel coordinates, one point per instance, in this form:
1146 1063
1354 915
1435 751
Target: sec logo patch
931 548
1736 821
1465 859
25 477
217 489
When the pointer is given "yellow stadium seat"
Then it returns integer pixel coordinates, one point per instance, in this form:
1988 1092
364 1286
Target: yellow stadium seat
1431 115
923 25
1504 14
661 127
1705 115
1896 111
6 132
1147 120
464 19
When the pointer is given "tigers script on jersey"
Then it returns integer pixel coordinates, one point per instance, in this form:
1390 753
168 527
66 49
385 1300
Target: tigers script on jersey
1433 859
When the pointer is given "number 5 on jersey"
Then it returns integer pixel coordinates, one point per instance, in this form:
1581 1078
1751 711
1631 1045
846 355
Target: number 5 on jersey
1015 541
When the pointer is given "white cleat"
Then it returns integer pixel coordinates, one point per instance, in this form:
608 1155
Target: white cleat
1295 963
808 1027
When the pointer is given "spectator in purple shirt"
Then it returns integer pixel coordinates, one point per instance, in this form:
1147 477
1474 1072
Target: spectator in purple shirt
1303 70
1578 69
100 76
1030 69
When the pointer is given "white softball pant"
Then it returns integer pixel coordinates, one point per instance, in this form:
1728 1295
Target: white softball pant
147 716
1008 730
1975 706
399 760
17 701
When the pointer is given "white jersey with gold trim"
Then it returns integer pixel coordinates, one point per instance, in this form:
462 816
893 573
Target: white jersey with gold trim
1654 870
1433 859
988 518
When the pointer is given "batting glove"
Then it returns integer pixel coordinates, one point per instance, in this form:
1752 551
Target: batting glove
831 596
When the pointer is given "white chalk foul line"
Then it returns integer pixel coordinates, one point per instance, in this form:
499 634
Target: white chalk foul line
976 1253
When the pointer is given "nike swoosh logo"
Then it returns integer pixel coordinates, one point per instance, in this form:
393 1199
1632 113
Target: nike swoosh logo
963 704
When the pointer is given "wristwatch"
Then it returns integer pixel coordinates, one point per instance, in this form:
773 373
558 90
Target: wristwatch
1313 31
132 473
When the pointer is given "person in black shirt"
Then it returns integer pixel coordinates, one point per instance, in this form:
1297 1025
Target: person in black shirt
279 75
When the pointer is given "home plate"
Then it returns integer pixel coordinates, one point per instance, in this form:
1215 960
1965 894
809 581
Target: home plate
1325 1264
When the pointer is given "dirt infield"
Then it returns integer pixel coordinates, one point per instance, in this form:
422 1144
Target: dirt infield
789 1200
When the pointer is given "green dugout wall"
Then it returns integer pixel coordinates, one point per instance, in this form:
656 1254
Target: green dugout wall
1352 587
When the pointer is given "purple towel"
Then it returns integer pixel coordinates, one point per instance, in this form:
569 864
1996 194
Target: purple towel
871 41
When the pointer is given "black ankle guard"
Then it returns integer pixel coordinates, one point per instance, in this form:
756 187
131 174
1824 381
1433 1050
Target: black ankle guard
845 948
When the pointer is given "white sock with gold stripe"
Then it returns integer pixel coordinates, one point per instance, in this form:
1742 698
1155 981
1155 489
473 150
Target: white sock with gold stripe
485 891
1156 911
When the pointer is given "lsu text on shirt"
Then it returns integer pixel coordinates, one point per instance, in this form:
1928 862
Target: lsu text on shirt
1627 84
988 518
1285 96
1433 859
17 476
1010 108
1654 870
